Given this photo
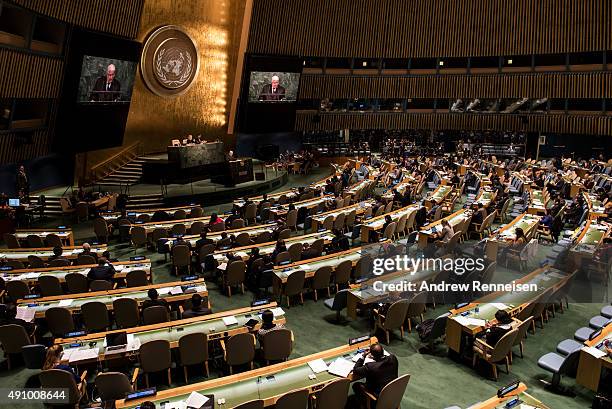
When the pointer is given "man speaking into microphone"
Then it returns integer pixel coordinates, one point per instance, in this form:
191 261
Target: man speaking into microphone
107 87
273 91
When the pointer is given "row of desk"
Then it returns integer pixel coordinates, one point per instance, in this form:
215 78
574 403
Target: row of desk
64 234
70 252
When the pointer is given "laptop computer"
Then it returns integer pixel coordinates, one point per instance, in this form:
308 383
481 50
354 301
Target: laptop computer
13 202
116 342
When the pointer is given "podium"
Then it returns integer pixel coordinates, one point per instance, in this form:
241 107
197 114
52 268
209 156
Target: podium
236 171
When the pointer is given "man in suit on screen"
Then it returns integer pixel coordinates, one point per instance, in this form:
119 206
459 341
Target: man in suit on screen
273 91
107 87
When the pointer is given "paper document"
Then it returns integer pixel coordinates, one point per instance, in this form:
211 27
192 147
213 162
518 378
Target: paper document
341 367
526 406
222 266
65 303
176 405
466 321
499 306
67 353
595 352
32 276
163 291
25 313
278 312
196 400
318 366
231 320
176 290
84 354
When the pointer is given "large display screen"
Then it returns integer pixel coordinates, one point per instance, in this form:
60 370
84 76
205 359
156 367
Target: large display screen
106 80
273 86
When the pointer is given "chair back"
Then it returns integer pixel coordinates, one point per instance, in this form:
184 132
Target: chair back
342 275
59 378
59 320
136 278
282 257
541 303
155 355
284 234
158 233
293 400
570 363
391 395
53 240
143 217
243 239
216 227
253 404
240 349
328 222
237 224
196 227
322 278
396 315
522 330
178 229
196 212
380 211
389 206
350 219
49 285
179 214
363 266
292 218
487 274
112 386
333 395
100 230
95 316
139 235
13 337
76 283
339 222
155 314
17 289
439 328
263 237
317 245
16 264
193 348
205 251
35 241
340 300
417 304
250 213
33 355
295 283
59 262
235 273
82 210
35 262
295 251
401 223
389 231
181 255
126 312
85 259
368 212
503 346
100 285
277 345
11 241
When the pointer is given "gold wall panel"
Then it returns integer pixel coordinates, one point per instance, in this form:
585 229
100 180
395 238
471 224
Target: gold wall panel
215 27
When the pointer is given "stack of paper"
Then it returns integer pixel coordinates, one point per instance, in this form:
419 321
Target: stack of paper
25 313
196 400
341 367
595 352
231 320
176 290
84 354
222 266
318 366
467 321
499 306
65 303
278 312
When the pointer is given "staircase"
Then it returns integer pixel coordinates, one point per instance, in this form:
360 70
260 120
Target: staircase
145 201
127 175
52 205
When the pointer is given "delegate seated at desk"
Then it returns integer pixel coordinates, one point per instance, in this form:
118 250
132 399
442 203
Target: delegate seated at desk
379 371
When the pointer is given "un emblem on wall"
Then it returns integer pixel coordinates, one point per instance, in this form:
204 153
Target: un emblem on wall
169 62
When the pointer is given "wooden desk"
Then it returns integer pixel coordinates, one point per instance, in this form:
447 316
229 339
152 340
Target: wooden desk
536 203
484 308
150 226
211 325
438 196
64 234
31 275
589 365
252 231
378 222
309 204
107 297
596 208
70 252
528 222
588 239
359 208
485 197
454 219
251 385
499 403
112 216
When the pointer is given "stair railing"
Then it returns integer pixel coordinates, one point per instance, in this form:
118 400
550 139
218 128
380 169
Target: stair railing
115 162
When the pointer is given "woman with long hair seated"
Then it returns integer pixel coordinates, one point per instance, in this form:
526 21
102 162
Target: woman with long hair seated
53 361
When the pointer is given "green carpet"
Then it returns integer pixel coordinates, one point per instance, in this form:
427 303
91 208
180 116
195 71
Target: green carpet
436 381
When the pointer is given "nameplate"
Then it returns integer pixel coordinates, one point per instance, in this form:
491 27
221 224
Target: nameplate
190 278
258 303
137 258
501 392
353 341
145 393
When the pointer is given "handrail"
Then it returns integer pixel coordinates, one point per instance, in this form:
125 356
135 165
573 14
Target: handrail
114 162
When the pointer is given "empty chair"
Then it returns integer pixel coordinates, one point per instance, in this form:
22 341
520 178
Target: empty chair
15 264
252 404
237 224
50 286
11 241
155 357
389 231
239 349
350 220
53 240
559 365
332 396
35 241
193 350
292 219
416 308
339 222
35 262
567 346
393 319
598 322
338 303
178 229
216 227
234 276
95 316
363 267
17 289
493 354
85 260
59 320
284 234
179 214
157 234
328 222
380 211
59 378
342 274
76 283
138 237
196 227
295 251
294 286
277 345
263 237
112 386
13 338
250 213
321 281
521 335
126 312
101 230
82 211
143 217
400 229
582 334
155 314
606 311
243 239
293 400
391 395
181 257
136 278
437 331
196 212
282 258
100 285
59 262
33 355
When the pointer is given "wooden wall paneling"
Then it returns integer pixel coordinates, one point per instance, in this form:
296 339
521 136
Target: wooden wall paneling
28 75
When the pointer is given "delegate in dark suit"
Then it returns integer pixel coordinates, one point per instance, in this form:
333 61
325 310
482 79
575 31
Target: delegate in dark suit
104 91
378 373
269 94
104 271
